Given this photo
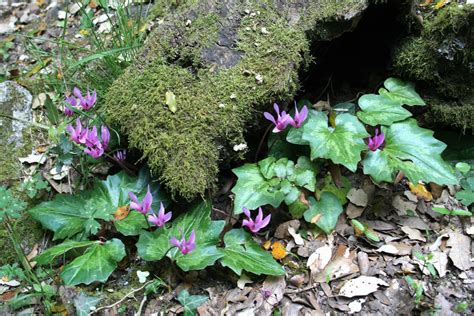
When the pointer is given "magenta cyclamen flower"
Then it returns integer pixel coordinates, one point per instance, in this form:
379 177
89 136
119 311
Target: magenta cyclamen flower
87 101
105 135
120 155
144 206
376 141
300 117
72 101
185 246
68 111
78 135
282 119
160 219
255 225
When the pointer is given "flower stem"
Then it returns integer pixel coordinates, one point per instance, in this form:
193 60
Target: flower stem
146 220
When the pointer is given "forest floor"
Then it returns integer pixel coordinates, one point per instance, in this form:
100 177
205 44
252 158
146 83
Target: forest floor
422 264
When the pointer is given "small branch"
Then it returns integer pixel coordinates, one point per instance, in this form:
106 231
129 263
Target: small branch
139 312
122 299
303 289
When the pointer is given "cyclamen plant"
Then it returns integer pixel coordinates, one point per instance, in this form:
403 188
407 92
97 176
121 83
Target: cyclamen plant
340 139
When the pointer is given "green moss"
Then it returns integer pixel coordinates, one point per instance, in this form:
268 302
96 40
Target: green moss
415 59
452 114
213 107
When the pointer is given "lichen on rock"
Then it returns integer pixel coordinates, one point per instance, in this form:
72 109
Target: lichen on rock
225 61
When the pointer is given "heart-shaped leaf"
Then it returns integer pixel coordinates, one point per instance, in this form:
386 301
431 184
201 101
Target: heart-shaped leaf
241 252
401 92
272 181
96 264
153 246
412 150
190 302
378 109
342 144
325 212
76 216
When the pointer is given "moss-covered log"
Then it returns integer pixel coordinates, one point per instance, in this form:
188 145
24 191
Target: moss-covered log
225 61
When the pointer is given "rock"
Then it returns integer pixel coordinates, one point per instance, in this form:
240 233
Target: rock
212 53
15 102
7 24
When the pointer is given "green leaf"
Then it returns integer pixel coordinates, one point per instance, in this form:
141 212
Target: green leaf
76 216
401 92
253 189
463 167
441 210
241 252
96 264
9 205
153 246
461 213
345 107
52 112
341 193
329 207
465 196
191 302
278 147
412 150
171 101
83 304
358 225
342 144
378 109
50 254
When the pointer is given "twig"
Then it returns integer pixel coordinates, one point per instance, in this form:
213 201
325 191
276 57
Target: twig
138 313
303 289
121 300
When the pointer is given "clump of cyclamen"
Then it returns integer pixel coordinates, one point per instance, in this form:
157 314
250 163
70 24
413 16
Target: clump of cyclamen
185 246
95 145
255 225
376 141
283 119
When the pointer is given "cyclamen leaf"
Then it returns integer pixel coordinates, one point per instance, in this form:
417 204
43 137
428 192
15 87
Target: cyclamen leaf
153 246
465 196
241 252
401 92
48 256
96 264
378 109
342 144
325 212
412 150
190 302
76 216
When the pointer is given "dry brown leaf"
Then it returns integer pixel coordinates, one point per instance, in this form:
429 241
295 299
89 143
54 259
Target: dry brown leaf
33 253
316 218
402 206
122 212
266 245
341 265
413 233
361 286
353 211
460 252
420 191
357 197
278 250
319 259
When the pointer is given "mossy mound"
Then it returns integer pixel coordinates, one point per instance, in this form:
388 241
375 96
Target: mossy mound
442 57
224 62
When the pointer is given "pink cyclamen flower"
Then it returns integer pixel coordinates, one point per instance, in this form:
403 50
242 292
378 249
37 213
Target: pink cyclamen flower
95 151
376 141
120 155
185 246
87 101
300 117
105 136
144 206
68 111
71 100
160 219
255 225
78 134
282 119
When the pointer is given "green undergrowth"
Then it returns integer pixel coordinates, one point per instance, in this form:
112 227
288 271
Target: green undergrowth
213 106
